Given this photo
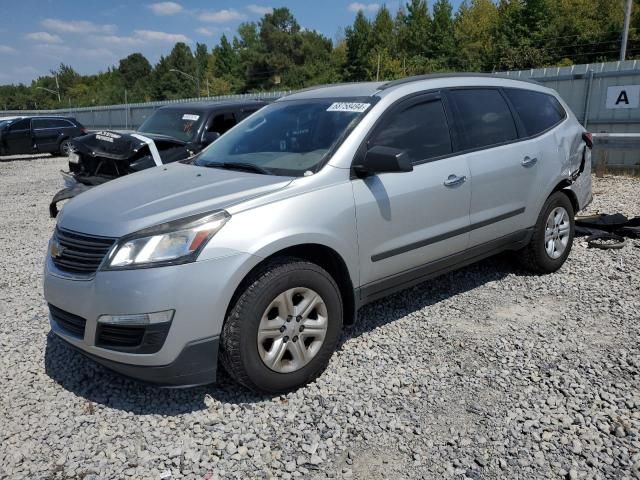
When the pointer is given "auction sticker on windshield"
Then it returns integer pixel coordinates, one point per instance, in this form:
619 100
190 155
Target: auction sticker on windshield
348 107
188 116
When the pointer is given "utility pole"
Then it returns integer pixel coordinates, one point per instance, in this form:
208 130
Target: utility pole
55 92
58 88
378 70
195 80
625 31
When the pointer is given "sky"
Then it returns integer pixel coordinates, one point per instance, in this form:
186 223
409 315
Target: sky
90 35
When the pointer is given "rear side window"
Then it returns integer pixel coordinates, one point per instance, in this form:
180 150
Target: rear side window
420 129
38 123
538 111
483 117
60 123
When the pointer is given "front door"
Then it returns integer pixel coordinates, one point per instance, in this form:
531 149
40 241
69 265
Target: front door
407 220
18 138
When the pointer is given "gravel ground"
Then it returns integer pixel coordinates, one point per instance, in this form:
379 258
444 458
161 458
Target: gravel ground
487 372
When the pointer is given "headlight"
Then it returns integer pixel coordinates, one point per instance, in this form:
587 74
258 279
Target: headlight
171 243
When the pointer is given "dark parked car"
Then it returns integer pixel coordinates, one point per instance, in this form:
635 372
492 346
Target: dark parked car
25 135
171 133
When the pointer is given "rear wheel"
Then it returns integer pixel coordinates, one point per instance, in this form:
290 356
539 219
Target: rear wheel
552 237
283 327
66 147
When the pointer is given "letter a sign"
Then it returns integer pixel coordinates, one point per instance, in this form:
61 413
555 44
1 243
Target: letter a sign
623 96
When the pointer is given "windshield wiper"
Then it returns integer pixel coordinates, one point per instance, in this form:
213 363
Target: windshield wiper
249 167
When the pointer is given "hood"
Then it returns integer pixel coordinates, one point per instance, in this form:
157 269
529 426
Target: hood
118 145
161 194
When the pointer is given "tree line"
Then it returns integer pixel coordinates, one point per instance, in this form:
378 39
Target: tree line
276 53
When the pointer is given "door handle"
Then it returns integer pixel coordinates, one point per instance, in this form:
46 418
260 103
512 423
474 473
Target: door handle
454 180
529 161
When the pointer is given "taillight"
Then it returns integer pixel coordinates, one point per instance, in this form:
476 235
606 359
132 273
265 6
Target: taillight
588 139
84 131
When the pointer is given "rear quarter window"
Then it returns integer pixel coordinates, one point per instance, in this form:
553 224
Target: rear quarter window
538 111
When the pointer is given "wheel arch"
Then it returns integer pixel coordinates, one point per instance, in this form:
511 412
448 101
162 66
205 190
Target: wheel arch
321 255
563 187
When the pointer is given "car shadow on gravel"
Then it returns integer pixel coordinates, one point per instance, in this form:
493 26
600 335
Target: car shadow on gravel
431 292
97 384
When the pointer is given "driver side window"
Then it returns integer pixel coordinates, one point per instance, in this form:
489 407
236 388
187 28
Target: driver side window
20 125
420 129
222 123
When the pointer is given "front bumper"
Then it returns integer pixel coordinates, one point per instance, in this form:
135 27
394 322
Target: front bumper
194 366
198 292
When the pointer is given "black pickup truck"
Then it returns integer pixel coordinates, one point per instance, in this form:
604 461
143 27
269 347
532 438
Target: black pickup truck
26 135
169 134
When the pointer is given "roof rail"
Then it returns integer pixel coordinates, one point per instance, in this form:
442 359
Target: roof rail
433 76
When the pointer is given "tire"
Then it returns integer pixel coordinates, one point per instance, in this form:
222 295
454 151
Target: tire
540 256
66 147
277 285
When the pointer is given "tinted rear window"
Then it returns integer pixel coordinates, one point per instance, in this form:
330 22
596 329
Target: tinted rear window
538 111
484 117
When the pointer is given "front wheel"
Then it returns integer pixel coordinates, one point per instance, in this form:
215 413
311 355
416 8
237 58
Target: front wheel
552 237
283 327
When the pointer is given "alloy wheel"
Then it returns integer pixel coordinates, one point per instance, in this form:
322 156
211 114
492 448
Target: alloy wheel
556 233
292 329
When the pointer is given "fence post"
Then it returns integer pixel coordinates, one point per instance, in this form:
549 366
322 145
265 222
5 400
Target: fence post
587 99
601 165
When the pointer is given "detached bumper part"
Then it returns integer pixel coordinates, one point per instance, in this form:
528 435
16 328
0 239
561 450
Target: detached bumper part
65 194
196 365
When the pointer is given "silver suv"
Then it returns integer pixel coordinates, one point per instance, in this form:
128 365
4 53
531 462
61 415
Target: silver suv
264 245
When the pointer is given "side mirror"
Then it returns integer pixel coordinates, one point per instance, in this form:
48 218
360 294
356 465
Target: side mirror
210 137
381 159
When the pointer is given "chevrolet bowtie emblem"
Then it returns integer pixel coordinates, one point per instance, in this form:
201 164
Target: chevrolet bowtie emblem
56 249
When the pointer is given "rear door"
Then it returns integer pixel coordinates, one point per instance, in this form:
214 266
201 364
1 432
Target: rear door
45 134
503 171
406 220
18 137
554 148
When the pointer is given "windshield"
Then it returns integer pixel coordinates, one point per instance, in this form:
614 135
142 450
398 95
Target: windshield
180 124
287 138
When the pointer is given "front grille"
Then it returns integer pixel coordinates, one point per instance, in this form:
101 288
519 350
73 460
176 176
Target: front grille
79 253
70 323
132 338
